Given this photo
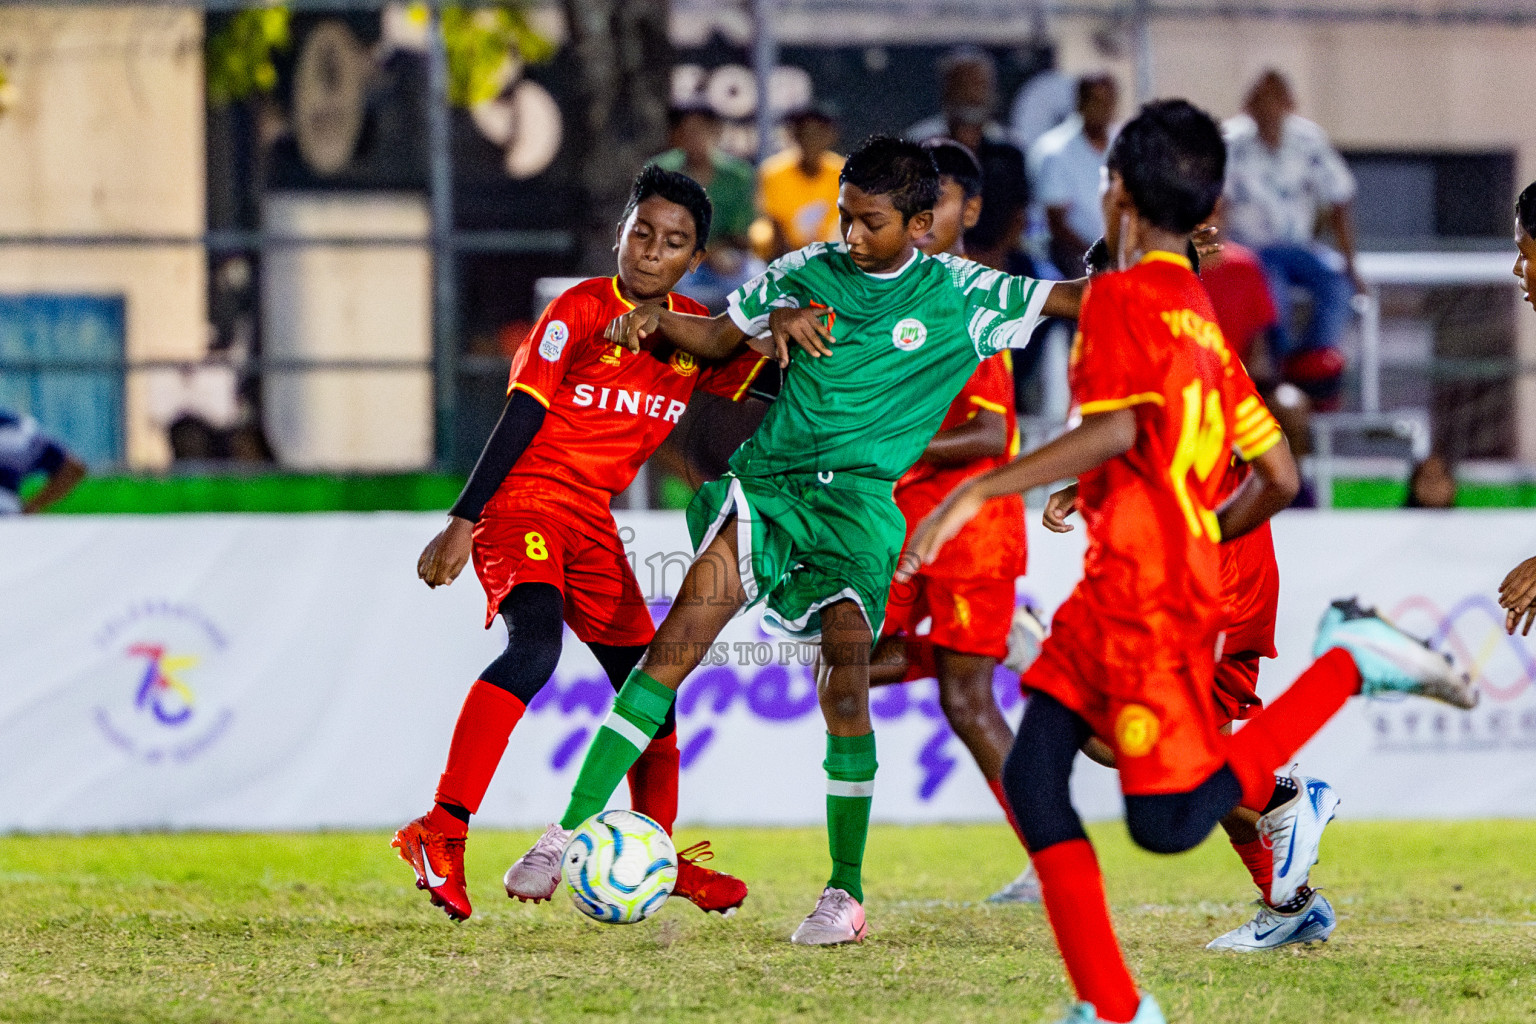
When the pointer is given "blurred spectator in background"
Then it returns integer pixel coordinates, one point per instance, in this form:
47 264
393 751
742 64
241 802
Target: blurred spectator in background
1046 100
25 451
1065 165
730 183
797 188
1283 175
968 96
1431 485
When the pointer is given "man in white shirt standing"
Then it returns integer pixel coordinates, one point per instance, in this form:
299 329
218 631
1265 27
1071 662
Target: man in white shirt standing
1065 165
1283 177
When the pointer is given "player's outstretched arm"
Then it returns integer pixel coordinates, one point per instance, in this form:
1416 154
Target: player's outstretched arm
982 436
1066 299
1269 488
445 555
708 337
1099 438
1517 595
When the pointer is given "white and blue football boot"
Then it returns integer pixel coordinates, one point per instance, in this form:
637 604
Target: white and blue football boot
1389 660
1147 1012
1270 929
1294 833
1024 889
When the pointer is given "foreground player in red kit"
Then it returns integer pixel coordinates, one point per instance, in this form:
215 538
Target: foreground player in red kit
1130 654
582 415
1250 580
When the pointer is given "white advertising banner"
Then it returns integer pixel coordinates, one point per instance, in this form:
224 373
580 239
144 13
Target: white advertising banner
288 672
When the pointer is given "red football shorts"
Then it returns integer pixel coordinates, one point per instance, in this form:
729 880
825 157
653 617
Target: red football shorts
584 560
1141 689
1236 690
970 616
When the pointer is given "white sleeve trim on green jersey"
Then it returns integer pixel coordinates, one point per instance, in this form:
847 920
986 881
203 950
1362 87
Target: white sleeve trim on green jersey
762 294
753 326
990 333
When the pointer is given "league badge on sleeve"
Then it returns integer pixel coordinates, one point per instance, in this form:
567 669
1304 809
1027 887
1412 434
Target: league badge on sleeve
556 334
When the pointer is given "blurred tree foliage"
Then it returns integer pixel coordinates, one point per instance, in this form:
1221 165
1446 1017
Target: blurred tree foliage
479 40
238 57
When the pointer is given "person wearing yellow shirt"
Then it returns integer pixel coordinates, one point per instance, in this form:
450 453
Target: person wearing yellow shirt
797 188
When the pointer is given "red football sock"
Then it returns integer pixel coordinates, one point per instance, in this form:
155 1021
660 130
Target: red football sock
653 781
1260 862
1275 734
1073 891
479 739
996 786
920 660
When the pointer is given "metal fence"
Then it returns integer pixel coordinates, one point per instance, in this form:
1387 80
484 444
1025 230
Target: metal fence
1437 337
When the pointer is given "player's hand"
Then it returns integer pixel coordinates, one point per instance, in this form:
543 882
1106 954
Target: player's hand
1207 240
805 327
767 345
1058 507
630 328
938 528
1517 595
445 555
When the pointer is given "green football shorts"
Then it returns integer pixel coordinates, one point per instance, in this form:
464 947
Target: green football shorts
806 541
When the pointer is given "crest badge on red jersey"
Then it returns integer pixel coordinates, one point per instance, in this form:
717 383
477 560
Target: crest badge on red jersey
684 363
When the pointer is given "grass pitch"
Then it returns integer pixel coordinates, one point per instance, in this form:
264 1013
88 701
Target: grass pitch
1437 923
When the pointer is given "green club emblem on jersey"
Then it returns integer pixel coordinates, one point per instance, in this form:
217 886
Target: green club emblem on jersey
908 334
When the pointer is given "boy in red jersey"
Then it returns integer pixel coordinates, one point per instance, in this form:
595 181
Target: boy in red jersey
1130 655
582 415
1250 581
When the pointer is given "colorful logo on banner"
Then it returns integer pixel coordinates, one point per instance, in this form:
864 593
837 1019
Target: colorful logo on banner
1472 631
158 674
772 680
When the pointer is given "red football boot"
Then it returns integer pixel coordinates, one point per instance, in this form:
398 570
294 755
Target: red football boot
709 890
439 865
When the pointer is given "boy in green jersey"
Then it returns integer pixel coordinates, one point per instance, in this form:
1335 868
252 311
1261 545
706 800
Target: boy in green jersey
804 521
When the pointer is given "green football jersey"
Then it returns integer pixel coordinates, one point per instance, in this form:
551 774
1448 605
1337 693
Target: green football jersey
906 343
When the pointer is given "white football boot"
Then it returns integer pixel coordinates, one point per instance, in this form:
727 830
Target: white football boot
1024 889
1270 929
1025 635
536 874
1389 660
1294 832
1147 1012
838 918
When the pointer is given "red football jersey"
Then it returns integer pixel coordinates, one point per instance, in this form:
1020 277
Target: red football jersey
992 545
1148 341
1250 576
608 409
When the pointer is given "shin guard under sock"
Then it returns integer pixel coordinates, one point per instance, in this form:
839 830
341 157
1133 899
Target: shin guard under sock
479 739
653 781
1073 892
850 767
638 713
1274 735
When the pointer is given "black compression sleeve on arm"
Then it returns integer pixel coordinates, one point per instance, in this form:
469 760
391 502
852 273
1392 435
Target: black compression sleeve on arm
520 420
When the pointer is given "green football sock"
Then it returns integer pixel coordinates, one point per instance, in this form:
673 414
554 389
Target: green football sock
850 767
638 711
